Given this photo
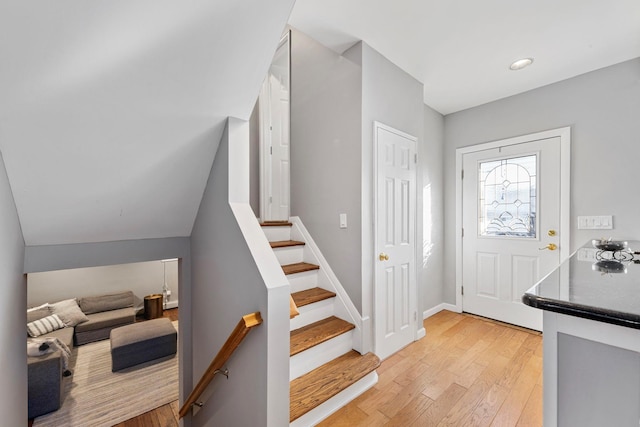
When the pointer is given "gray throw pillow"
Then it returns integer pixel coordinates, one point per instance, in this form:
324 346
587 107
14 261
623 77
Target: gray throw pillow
37 314
69 312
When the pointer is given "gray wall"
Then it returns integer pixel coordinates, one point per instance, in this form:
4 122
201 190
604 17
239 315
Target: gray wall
603 109
142 278
394 98
13 292
326 154
431 209
226 286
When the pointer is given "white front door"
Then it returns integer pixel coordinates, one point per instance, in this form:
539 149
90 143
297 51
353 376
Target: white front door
512 226
395 271
274 119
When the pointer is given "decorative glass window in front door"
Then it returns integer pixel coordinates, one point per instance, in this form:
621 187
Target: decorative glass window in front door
507 197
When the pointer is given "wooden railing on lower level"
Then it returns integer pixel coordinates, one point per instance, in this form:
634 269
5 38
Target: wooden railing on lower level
241 330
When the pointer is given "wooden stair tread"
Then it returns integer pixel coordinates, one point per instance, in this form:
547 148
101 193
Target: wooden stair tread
285 243
299 267
309 296
316 333
276 224
321 384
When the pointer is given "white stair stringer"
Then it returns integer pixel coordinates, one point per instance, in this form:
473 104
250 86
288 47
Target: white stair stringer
316 356
319 413
326 279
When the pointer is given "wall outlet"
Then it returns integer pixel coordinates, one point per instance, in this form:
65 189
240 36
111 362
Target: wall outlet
603 222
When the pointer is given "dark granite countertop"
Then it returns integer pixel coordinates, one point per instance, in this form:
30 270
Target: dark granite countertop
590 285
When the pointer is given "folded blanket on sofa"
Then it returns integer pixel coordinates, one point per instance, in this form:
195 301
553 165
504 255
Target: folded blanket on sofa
42 346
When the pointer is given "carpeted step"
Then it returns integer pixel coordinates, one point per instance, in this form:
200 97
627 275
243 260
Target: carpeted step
316 333
316 387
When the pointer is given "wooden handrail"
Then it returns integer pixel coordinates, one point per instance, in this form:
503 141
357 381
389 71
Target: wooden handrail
293 308
241 330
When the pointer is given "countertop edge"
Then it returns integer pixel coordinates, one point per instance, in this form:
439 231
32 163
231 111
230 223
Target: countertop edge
586 312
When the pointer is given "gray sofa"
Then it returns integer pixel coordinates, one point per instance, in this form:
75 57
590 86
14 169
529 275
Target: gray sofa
100 314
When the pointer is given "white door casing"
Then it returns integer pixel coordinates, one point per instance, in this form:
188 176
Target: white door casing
274 113
395 296
502 247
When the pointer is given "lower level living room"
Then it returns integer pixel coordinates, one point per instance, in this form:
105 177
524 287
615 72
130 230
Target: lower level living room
93 350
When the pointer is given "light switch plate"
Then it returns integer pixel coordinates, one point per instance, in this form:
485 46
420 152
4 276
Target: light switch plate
602 222
343 220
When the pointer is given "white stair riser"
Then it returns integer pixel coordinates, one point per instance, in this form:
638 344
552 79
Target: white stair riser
312 313
289 254
322 411
320 354
302 281
276 233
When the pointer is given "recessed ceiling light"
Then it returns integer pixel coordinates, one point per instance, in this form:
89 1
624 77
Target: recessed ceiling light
521 63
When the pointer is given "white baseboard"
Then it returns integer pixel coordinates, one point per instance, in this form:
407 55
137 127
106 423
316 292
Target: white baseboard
172 304
438 308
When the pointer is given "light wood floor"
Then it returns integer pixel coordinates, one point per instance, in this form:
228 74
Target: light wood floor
467 371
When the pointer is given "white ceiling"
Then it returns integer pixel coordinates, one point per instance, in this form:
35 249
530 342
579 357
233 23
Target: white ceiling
111 111
461 49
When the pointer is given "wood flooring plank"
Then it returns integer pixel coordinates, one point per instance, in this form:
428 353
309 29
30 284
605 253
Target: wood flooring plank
381 397
515 402
440 407
410 412
532 413
485 411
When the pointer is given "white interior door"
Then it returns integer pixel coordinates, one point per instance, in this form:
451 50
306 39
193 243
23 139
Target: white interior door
275 140
512 218
395 210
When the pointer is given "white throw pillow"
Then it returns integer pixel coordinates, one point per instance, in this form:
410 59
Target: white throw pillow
46 304
44 325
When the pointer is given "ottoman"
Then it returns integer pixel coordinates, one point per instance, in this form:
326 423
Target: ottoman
141 342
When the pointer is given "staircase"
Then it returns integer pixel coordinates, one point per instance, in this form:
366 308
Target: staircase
325 371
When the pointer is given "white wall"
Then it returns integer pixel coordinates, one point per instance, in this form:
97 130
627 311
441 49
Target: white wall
142 279
229 281
602 108
326 154
13 405
431 210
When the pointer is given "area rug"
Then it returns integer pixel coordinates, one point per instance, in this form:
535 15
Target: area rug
97 397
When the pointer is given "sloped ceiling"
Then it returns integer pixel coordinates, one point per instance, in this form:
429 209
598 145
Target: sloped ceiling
111 111
461 49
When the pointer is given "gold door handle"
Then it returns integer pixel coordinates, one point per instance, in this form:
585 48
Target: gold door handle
550 246
383 257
